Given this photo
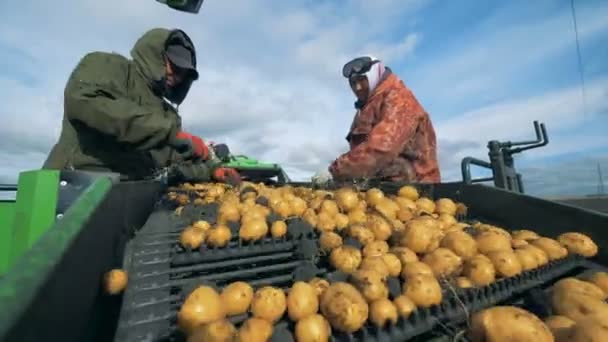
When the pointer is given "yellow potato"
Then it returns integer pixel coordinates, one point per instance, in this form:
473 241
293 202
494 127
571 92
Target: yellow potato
517 243
420 236
312 328
379 226
460 243
578 306
578 243
115 281
492 241
445 206
321 285
404 254
573 285
374 196
237 297
345 258
423 290
192 238
382 311
464 282
480 270
362 234
526 258
202 306
506 263
589 331
600 279
405 306
254 330
344 307
553 249
347 199
393 264
377 264
329 240
302 301
341 221
443 262
560 326
540 255
409 192
218 236
278 229
414 268
370 283
217 331
254 229
508 324
375 248
269 303
425 205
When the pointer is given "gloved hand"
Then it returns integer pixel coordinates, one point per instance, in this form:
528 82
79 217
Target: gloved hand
188 171
189 146
227 175
322 177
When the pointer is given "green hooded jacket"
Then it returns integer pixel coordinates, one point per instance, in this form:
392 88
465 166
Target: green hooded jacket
115 118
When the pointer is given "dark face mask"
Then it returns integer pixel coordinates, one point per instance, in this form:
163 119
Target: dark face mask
178 93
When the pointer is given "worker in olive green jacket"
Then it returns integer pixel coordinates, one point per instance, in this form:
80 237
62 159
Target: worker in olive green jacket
120 115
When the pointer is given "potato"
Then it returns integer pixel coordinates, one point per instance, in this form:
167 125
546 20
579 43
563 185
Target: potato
404 215
445 206
228 212
404 305
278 229
419 236
312 328
202 225
298 206
192 238
345 258
341 221
526 258
377 264
357 216
375 248
508 324
560 327
202 306
553 249
344 307
578 306
310 217
362 234
492 241
540 255
237 297
382 311
302 301
374 196
447 221
578 243
218 331
423 290
329 240
589 331
321 285
115 281
254 330
517 243
480 270
218 236
464 282
253 230
379 226
443 262
524 235
599 279
425 205
370 283
414 268
393 264
573 285
347 199
330 207
269 303
506 263
460 243
326 222
409 192
404 254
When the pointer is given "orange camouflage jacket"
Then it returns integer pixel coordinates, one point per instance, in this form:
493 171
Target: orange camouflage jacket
391 138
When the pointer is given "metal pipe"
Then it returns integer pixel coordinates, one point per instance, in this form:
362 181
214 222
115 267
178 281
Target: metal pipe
8 187
465 167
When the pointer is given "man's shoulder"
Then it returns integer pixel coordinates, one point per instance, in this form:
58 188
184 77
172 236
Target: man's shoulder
103 61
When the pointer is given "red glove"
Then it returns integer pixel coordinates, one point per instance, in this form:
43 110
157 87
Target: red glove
227 175
190 146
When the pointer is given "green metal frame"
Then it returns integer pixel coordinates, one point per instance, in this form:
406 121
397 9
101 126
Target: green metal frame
243 164
7 212
19 286
34 210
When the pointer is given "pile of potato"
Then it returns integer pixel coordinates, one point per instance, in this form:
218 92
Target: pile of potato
406 236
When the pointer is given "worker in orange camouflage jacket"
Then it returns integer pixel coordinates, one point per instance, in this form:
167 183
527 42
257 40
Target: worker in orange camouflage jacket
391 137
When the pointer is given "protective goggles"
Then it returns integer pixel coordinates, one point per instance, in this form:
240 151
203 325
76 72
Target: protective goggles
358 66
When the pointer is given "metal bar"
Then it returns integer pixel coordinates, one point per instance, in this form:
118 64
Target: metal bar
8 187
35 209
465 167
19 287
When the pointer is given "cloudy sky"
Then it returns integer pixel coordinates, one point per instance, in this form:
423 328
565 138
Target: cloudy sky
269 68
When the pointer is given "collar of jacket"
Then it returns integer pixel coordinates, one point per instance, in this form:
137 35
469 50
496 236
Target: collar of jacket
384 83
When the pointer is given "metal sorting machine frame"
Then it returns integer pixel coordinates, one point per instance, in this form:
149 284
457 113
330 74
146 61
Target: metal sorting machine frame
55 293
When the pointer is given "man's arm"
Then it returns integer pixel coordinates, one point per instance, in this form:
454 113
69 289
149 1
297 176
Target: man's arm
96 96
385 141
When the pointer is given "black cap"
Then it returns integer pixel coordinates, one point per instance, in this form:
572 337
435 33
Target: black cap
182 58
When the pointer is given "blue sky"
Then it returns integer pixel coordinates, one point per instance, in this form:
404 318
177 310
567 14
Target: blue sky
271 86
